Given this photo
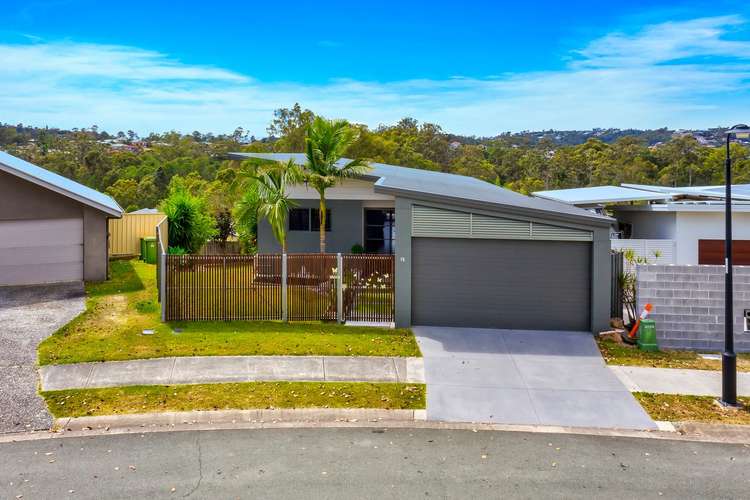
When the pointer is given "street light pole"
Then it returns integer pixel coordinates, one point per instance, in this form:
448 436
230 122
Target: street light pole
728 357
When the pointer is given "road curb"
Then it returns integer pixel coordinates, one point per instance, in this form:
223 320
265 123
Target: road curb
259 416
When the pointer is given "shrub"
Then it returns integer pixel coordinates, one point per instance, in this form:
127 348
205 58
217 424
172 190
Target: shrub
177 251
190 223
357 249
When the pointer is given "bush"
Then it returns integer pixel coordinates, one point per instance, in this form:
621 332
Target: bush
177 251
190 223
357 249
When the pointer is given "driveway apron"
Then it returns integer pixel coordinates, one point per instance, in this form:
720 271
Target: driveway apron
28 315
523 377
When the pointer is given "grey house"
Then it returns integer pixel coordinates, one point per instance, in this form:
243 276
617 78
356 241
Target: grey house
52 229
468 253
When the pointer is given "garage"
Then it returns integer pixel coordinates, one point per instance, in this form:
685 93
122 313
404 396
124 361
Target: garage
41 251
508 284
500 270
52 229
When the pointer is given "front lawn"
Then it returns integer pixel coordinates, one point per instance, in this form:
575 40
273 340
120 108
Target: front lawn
618 354
236 396
117 311
676 408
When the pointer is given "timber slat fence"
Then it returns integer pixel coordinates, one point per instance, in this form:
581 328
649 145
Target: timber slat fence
266 286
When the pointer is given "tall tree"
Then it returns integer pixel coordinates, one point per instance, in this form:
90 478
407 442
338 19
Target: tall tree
325 144
267 188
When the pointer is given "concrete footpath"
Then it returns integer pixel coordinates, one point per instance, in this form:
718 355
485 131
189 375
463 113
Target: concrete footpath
217 369
677 381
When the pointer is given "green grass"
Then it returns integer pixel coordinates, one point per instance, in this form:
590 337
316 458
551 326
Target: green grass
618 354
249 395
677 408
117 311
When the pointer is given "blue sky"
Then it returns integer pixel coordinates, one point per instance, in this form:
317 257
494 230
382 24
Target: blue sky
479 69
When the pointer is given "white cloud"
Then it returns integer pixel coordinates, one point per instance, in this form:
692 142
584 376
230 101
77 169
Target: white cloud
677 74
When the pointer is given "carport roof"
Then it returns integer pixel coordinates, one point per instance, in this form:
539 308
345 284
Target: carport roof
451 188
59 184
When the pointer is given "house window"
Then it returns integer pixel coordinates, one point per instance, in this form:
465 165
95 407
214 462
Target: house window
299 219
315 219
307 219
380 231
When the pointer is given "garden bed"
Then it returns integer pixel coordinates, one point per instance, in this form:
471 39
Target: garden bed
619 354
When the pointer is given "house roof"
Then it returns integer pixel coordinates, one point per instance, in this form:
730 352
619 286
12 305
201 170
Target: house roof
59 184
600 194
597 195
451 188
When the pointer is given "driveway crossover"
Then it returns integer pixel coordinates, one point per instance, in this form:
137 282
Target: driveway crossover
28 315
523 377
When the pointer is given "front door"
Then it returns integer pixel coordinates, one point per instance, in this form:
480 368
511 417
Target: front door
380 230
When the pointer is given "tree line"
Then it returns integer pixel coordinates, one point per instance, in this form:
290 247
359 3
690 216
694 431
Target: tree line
141 172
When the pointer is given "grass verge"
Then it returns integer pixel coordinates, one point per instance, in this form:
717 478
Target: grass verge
118 310
236 396
677 408
618 354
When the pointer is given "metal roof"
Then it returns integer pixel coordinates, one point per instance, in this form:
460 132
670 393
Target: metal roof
739 191
600 194
459 189
59 184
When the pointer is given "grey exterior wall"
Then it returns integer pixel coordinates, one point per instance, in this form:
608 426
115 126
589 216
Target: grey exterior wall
689 305
23 200
649 224
600 260
95 233
20 200
347 221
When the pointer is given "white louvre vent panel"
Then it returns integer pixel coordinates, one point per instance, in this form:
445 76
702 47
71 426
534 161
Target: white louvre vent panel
429 222
486 227
438 223
545 232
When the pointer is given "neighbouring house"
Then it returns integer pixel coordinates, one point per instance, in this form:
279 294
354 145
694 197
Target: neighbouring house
686 225
52 229
468 253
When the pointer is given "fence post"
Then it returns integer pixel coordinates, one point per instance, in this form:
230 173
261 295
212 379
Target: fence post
340 288
163 284
284 303
224 283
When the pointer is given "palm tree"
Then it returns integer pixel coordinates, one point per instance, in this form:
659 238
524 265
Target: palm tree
266 193
325 144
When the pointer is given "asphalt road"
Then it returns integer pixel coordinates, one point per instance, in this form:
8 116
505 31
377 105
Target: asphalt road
370 463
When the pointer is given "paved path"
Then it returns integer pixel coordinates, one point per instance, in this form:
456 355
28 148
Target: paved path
216 369
523 377
677 381
28 315
379 463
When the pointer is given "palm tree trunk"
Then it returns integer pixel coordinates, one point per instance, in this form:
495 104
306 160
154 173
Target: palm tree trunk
322 222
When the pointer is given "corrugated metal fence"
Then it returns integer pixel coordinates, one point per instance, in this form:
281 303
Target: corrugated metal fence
298 287
125 234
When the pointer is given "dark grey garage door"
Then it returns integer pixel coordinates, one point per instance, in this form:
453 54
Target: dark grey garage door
514 284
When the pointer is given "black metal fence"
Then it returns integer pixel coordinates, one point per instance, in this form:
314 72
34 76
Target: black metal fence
616 294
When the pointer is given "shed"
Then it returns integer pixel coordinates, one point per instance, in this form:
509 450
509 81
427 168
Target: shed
52 229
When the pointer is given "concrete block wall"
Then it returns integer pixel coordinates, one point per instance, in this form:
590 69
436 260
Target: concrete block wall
689 305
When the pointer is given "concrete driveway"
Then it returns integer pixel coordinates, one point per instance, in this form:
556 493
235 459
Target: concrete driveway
523 377
28 315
